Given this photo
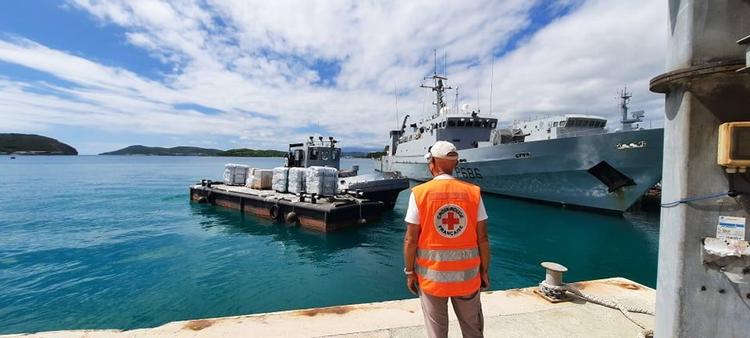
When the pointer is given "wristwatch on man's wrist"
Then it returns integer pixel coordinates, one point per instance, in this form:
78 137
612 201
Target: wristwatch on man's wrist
407 272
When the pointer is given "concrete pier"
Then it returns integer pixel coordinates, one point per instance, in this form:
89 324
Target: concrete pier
509 313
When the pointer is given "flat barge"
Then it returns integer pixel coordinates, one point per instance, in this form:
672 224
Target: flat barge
324 214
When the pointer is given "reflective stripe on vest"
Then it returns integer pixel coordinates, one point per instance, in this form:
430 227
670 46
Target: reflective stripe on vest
448 255
447 276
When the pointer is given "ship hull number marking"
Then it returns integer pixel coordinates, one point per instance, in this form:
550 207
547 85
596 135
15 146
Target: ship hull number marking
471 173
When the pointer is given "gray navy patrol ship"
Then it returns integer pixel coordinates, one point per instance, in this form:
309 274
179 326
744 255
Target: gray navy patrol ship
570 159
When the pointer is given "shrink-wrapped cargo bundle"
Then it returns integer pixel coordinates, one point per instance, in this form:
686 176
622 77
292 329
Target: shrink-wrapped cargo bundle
321 180
296 180
260 179
249 179
235 174
280 179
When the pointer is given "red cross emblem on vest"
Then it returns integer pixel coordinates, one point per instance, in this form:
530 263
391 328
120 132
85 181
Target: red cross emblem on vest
450 220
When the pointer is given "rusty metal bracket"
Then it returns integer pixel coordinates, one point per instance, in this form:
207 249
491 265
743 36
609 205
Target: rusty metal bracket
664 83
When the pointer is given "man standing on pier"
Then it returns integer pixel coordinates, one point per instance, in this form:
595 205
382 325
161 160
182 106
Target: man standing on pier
446 249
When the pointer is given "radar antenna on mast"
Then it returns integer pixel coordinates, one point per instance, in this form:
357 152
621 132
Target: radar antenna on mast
434 56
437 87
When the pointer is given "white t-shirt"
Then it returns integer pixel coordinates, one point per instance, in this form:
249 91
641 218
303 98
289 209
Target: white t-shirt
412 213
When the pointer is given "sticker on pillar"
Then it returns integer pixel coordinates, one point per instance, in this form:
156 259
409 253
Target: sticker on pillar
731 227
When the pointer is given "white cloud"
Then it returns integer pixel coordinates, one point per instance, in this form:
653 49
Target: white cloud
257 56
580 62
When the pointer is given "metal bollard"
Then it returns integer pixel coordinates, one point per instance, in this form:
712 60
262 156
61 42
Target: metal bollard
554 273
552 287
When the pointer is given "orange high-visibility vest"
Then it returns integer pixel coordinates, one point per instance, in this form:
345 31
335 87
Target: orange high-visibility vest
447 261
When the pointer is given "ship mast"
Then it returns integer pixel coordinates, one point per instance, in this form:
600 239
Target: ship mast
624 100
627 123
437 87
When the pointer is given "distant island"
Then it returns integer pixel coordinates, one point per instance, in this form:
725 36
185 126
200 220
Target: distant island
245 152
30 144
194 151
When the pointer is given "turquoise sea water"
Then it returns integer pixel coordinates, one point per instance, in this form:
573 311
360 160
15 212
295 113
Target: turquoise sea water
114 242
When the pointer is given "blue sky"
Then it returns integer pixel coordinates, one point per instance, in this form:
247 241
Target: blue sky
101 75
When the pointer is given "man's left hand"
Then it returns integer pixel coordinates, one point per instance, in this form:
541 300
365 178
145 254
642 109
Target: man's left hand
485 276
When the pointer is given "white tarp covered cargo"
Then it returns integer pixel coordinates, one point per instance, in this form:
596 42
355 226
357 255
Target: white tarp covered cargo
260 179
235 174
280 179
296 180
321 180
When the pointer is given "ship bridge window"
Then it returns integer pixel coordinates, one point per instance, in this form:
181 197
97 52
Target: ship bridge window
562 123
461 123
451 123
469 123
554 124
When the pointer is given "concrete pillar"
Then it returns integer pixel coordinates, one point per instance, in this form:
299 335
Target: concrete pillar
702 91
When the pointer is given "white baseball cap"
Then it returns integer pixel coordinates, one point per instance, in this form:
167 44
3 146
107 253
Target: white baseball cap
442 149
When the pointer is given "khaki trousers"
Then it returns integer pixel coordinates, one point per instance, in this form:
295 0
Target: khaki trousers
468 310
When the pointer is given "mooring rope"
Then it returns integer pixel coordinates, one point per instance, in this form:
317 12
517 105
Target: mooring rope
627 311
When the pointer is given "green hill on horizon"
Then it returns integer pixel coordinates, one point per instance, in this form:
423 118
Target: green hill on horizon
245 152
194 151
32 144
161 151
